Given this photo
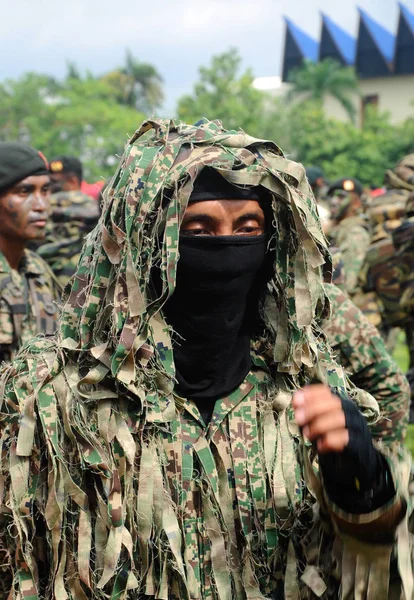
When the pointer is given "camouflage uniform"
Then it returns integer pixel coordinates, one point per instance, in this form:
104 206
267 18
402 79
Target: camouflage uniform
117 489
380 273
403 238
360 349
352 237
73 216
27 303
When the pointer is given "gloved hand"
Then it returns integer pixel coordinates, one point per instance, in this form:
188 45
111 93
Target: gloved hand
355 474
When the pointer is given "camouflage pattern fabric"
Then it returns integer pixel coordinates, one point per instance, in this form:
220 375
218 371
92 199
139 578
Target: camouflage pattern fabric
338 271
352 237
360 349
73 216
111 486
380 273
27 303
368 301
403 238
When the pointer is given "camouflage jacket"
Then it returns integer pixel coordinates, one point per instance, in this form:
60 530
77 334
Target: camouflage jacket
27 303
352 237
73 216
403 238
380 272
360 349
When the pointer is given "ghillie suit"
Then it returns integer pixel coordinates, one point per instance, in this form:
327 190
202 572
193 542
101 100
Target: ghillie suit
112 486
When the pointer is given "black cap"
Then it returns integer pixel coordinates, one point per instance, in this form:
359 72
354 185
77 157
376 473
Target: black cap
348 184
313 174
18 161
66 164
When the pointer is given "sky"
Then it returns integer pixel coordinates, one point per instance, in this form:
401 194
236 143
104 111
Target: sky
177 36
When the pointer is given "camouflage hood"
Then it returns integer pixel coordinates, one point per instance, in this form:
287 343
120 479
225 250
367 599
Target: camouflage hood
112 312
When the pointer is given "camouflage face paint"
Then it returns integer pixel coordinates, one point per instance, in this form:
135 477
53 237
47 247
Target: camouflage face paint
25 209
340 203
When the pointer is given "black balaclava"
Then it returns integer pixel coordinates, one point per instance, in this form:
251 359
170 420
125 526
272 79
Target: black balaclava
214 307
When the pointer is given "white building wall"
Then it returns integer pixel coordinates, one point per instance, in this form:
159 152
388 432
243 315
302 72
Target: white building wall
395 95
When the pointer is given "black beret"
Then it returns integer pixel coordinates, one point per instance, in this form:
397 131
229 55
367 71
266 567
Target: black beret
66 164
18 161
210 185
348 184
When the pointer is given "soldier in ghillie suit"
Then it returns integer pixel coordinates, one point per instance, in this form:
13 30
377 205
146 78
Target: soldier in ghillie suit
162 446
28 290
73 216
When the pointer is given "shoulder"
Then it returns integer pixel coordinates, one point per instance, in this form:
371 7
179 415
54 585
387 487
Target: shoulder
35 264
67 199
345 316
37 267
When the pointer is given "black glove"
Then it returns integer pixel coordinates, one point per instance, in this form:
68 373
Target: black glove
357 479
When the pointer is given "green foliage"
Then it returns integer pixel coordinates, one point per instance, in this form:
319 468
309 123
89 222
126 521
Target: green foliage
81 115
225 94
341 149
137 85
301 128
315 81
91 116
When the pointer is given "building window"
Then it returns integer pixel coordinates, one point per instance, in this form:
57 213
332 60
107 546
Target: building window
369 100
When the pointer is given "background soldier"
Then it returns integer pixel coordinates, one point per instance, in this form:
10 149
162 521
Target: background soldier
350 230
350 233
73 216
403 238
28 291
380 272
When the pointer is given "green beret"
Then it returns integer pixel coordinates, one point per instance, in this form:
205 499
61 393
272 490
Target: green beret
18 161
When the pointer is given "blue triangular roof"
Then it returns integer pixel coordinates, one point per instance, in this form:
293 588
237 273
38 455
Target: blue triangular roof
384 40
307 45
408 16
345 43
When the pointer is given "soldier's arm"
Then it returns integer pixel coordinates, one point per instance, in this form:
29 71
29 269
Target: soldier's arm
361 351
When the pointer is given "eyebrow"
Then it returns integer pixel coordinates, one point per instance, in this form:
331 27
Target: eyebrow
24 186
28 186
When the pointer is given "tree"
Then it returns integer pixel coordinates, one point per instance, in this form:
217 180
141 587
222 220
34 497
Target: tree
315 81
222 93
136 84
341 149
78 117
